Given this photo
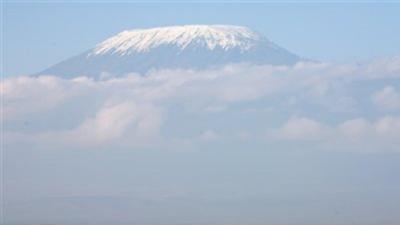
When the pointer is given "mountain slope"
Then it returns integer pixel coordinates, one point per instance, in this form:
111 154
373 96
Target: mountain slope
191 46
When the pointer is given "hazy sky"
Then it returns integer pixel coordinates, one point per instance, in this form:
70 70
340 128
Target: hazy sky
315 143
309 144
38 35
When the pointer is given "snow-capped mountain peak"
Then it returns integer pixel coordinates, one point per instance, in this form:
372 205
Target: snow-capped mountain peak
211 36
175 47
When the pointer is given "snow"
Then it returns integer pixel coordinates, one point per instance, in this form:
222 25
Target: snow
175 47
210 36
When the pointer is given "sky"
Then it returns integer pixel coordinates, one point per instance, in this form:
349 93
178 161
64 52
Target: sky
314 143
38 35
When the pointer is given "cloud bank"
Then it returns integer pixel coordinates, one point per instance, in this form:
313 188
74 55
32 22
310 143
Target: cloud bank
312 102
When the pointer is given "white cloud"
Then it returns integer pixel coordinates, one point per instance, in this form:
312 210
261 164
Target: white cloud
388 67
115 120
300 128
209 135
388 98
355 128
388 126
26 95
135 108
379 135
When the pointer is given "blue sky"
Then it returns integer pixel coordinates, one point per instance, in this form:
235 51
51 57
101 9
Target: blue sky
38 35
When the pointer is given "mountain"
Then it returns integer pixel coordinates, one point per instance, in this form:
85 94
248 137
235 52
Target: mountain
189 46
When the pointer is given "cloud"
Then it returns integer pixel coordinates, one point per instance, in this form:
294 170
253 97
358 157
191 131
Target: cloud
26 95
180 104
355 128
388 126
358 134
379 135
115 120
209 135
306 128
300 128
387 99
